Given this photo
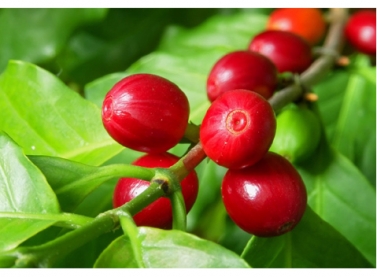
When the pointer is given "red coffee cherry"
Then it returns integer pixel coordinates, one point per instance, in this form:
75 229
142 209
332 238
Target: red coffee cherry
266 199
307 23
286 50
159 213
146 113
242 70
238 129
360 31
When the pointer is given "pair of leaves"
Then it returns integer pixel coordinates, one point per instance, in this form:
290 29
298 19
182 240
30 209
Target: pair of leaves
37 114
28 204
338 190
29 194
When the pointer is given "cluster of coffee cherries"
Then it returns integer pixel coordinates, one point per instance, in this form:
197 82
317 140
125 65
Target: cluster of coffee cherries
261 190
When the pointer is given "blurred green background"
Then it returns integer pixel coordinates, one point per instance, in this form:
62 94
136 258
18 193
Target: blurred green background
80 45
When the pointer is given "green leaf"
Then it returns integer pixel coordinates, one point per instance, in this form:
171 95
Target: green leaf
347 100
355 131
228 32
73 181
38 35
117 255
47 118
62 173
111 45
330 92
169 249
23 190
343 197
98 201
313 243
86 255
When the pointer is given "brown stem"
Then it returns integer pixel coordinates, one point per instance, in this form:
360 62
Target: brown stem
195 156
321 66
189 161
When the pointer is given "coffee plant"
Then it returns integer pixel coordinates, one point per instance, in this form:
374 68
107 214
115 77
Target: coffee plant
195 138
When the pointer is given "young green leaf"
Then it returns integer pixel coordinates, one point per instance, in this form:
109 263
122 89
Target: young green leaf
47 118
23 192
169 249
313 243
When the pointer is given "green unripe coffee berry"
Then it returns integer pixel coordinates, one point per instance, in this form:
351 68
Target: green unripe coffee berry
297 134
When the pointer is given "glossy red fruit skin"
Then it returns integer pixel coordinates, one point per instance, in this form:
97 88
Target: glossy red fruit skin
266 199
360 31
238 129
140 110
289 52
242 70
307 23
159 213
